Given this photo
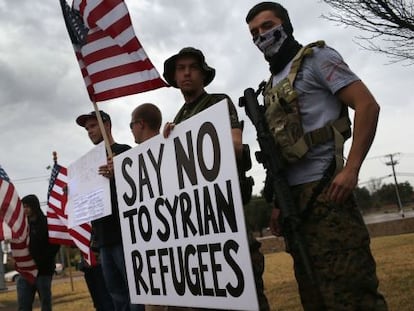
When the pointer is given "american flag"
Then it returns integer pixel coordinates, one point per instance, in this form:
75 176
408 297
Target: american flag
11 213
57 219
112 60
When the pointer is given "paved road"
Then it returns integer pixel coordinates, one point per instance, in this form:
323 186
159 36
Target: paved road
374 218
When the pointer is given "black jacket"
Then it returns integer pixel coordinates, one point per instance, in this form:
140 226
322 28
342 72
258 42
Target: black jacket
107 230
42 251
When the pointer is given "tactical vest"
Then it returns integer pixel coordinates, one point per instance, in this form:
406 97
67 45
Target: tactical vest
283 117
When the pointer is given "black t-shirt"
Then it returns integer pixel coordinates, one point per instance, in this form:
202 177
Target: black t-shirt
107 230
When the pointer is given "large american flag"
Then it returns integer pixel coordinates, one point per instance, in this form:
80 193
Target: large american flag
112 60
12 214
57 219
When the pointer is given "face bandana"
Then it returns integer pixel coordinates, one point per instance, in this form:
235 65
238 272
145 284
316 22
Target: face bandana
271 41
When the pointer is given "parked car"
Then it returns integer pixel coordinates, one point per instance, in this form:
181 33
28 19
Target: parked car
58 268
11 276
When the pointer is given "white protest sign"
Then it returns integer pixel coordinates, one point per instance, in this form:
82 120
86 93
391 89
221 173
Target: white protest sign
182 218
89 195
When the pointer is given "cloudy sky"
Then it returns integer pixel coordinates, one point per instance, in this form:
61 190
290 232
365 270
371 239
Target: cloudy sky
42 91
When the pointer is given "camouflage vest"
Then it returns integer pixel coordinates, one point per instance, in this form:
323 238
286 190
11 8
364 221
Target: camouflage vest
283 116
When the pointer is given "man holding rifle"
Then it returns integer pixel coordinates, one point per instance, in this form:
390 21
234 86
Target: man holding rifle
306 102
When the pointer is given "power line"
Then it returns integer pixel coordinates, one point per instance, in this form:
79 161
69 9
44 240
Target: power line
31 179
405 174
374 179
374 157
403 154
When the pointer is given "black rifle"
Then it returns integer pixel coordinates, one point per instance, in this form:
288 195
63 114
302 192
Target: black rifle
277 187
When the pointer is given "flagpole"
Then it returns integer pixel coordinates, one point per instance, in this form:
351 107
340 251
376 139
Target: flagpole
61 252
102 128
70 269
54 154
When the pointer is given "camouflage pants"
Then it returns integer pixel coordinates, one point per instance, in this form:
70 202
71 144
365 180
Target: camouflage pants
337 241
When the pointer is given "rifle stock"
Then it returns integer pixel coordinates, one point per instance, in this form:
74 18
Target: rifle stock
269 157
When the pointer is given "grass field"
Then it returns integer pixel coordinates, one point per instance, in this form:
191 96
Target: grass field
395 266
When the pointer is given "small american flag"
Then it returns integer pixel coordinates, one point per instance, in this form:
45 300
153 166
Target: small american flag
112 60
11 213
57 219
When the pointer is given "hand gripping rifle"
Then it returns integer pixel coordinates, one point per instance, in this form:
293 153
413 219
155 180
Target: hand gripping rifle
277 186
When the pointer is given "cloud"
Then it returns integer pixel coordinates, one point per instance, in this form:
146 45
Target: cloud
42 91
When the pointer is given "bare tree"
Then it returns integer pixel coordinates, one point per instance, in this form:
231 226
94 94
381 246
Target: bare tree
389 25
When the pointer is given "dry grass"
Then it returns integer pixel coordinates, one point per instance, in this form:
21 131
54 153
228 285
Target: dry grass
395 266
64 298
395 270
395 262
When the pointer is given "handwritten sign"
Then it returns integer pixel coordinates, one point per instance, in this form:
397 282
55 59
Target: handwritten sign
89 196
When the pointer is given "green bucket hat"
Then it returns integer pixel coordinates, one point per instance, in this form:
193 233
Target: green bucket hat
169 66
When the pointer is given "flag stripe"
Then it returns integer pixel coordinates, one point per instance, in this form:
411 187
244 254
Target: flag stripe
14 217
11 212
109 13
125 34
136 78
129 90
121 71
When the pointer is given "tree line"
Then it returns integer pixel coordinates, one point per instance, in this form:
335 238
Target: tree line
257 211
374 199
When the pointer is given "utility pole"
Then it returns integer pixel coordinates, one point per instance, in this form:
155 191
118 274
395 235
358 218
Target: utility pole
392 163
